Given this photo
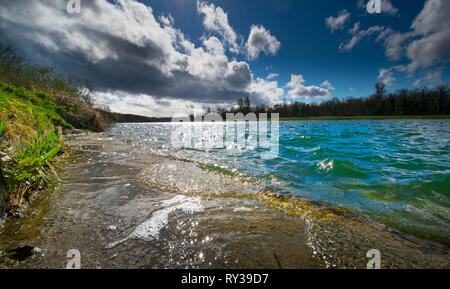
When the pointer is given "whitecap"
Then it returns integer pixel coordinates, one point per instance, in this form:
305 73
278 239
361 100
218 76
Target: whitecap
150 229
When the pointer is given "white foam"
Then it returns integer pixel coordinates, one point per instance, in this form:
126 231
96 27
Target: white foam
174 200
150 229
188 178
242 209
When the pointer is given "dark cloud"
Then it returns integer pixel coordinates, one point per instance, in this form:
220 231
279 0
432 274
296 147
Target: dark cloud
142 57
429 41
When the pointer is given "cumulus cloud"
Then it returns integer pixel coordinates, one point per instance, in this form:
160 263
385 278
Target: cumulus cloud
429 41
137 53
429 50
143 104
265 92
299 90
427 45
338 22
432 25
213 45
216 20
260 40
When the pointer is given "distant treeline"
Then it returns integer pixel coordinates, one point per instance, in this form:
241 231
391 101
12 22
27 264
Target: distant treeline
424 101
120 117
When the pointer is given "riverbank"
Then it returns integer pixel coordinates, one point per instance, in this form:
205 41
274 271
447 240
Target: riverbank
31 125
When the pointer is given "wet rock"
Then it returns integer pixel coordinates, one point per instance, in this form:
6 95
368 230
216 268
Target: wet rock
70 132
20 251
17 214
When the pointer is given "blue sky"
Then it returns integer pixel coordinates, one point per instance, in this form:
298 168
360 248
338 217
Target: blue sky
173 57
307 45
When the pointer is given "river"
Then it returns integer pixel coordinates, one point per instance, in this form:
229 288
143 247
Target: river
334 190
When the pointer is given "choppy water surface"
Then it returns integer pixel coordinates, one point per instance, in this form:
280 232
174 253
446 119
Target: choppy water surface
129 199
395 171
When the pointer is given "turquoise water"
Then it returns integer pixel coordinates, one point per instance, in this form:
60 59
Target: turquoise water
393 171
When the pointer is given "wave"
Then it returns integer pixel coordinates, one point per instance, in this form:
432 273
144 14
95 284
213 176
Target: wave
336 236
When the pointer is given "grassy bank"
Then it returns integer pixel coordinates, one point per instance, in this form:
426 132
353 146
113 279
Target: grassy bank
375 117
37 104
31 125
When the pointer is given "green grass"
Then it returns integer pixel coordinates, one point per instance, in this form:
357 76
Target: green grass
29 122
366 117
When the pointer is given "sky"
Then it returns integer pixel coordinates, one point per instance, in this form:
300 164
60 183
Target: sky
176 57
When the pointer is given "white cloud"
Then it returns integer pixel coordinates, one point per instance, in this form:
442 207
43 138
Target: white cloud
429 42
358 35
429 50
299 90
433 77
138 54
146 105
388 8
395 45
265 92
272 75
433 25
337 23
327 85
427 45
433 17
259 40
166 20
386 76
214 46
216 20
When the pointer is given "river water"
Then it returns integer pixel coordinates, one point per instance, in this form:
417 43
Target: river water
129 198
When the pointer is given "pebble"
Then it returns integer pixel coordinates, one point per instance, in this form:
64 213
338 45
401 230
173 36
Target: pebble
112 228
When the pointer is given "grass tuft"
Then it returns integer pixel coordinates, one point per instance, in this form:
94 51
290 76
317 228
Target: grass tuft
29 137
